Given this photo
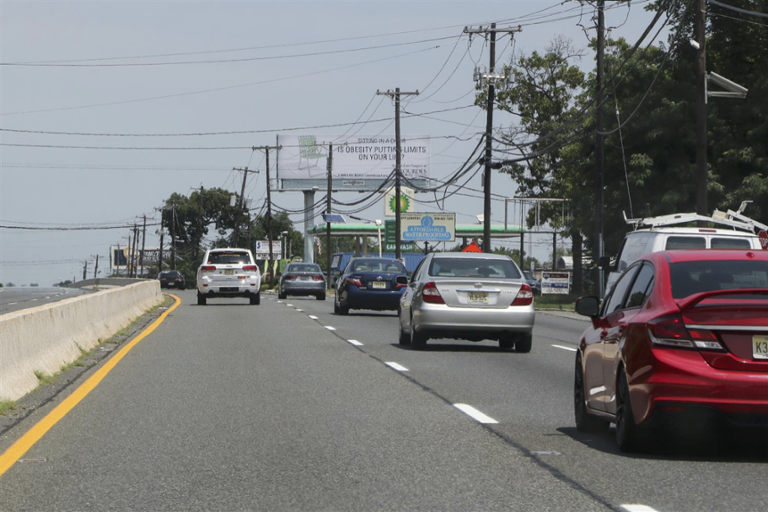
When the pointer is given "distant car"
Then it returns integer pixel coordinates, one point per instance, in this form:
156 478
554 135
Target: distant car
227 273
471 296
531 281
682 335
171 279
370 283
302 279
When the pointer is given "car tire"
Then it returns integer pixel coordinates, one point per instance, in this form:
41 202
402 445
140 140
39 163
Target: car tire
405 338
336 309
506 342
629 436
524 343
585 423
201 299
321 296
418 339
281 295
255 299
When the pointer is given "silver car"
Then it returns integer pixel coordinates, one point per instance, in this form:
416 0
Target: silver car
467 296
302 279
228 273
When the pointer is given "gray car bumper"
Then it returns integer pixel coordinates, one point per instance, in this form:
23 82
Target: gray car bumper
441 318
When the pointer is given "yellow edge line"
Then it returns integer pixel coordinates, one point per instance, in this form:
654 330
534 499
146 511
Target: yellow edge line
28 440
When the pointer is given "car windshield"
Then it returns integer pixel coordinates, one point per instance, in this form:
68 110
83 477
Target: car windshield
690 277
391 266
303 268
229 258
474 268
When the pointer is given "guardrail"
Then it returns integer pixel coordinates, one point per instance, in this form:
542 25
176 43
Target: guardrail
47 337
106 281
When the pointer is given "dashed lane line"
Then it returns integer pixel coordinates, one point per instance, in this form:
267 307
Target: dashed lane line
313 317
566 348
329 327
355 342
396 366
475 414
637 508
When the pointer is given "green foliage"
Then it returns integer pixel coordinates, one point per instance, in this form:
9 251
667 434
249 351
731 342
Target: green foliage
515 255
6 406
9 284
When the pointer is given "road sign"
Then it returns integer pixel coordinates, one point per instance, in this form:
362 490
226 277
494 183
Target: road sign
555 283
428 227
389 238
334 218
262 249
763 236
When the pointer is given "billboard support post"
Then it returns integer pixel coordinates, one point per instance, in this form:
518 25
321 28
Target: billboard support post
328 211
309 215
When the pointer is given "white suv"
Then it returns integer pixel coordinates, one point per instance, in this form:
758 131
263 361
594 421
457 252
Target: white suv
228 273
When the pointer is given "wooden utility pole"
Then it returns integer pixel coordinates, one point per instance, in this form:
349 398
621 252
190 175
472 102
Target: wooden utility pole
269 211
329 168
240 205
96 268
160 256
199 225
701 107
599 144
398 161
143 246
85 270
173 235
491 78
134 260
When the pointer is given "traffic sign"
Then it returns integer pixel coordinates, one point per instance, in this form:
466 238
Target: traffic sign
763 236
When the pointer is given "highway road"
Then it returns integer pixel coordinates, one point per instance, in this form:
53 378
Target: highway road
286 406
18 298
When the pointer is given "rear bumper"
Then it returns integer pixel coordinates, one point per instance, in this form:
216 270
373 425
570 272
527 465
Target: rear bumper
389 300
439 318
303 287
681 382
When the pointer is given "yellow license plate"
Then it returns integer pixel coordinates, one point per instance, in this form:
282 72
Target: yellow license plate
379 284
477 297
760 347
229 272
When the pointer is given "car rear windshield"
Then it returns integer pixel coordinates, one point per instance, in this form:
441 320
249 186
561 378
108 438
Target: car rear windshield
304 268
170 273
229 258
685 242
692 277
731 243
473 268
391 266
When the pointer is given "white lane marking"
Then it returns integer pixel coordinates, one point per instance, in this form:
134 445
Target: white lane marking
637 508
279 302
12 303
566 348
297 309
355 342
329 327
474 413
313 317
396 366
289 305
33 300
47 297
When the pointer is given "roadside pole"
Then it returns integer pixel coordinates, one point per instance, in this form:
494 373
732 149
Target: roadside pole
328 212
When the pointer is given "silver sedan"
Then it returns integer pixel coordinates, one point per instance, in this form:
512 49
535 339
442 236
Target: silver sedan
467 296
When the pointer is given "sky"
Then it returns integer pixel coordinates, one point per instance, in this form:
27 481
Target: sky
287 65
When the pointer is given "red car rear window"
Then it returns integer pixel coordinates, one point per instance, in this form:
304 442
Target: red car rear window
692 277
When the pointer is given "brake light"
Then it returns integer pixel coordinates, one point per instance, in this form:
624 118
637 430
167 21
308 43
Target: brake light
431 294
208 268
318 278
251 268
524 296
400 285
671 331
290 278
354 281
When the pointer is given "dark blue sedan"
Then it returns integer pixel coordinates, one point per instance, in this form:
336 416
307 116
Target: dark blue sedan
370 283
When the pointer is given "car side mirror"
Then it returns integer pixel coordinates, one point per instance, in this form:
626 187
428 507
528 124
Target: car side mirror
588 306
401 280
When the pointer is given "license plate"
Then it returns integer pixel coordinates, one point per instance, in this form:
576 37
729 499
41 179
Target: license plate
477 297
229 272
379 284
305 278
760 347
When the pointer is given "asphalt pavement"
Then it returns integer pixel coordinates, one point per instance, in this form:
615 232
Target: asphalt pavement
287 406
18 298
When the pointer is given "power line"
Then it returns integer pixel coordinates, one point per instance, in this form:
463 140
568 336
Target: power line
738 9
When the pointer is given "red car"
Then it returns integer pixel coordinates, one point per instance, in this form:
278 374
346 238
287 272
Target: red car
682 335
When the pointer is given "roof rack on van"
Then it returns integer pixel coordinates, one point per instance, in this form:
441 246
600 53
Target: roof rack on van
730 218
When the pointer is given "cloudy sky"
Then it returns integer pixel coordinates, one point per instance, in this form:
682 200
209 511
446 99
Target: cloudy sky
141 80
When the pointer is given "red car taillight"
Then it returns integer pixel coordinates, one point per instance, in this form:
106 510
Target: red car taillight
671 331
208 268
318 278
431 294
355 281
290 278
397 287
251 268
524 296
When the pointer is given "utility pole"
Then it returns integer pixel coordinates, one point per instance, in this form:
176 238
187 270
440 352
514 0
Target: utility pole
160 256
134 258
599 144
143 246
199 224
240 206
96 268
173 235
269 210
491 78
329 168
85 270
701 107
398 160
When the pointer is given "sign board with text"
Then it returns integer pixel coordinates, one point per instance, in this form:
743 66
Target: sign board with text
555 283
261 249
428 227
389 238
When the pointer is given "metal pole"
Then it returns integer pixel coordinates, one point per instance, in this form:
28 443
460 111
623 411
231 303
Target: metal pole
398 252
599 142
701 107
327 221
143 246
489 148
309 215
269 224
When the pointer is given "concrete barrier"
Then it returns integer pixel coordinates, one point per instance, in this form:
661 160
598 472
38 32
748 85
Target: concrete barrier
48 337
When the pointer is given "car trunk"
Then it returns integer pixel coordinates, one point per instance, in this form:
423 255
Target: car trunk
301 276
227 275
742 328
478 293
377 281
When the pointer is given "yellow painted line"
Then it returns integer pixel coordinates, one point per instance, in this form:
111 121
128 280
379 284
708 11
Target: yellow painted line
28 440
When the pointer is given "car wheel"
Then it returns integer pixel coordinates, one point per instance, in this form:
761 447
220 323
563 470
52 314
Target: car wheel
405 338
584 422
418 339
321 296
506 342
281 295
255 299
201 300
523 343
629 436
336 308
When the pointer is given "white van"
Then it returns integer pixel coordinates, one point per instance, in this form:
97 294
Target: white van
665 234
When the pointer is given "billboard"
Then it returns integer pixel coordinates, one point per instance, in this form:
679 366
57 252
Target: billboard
358 163
555 283
120 256
428 227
